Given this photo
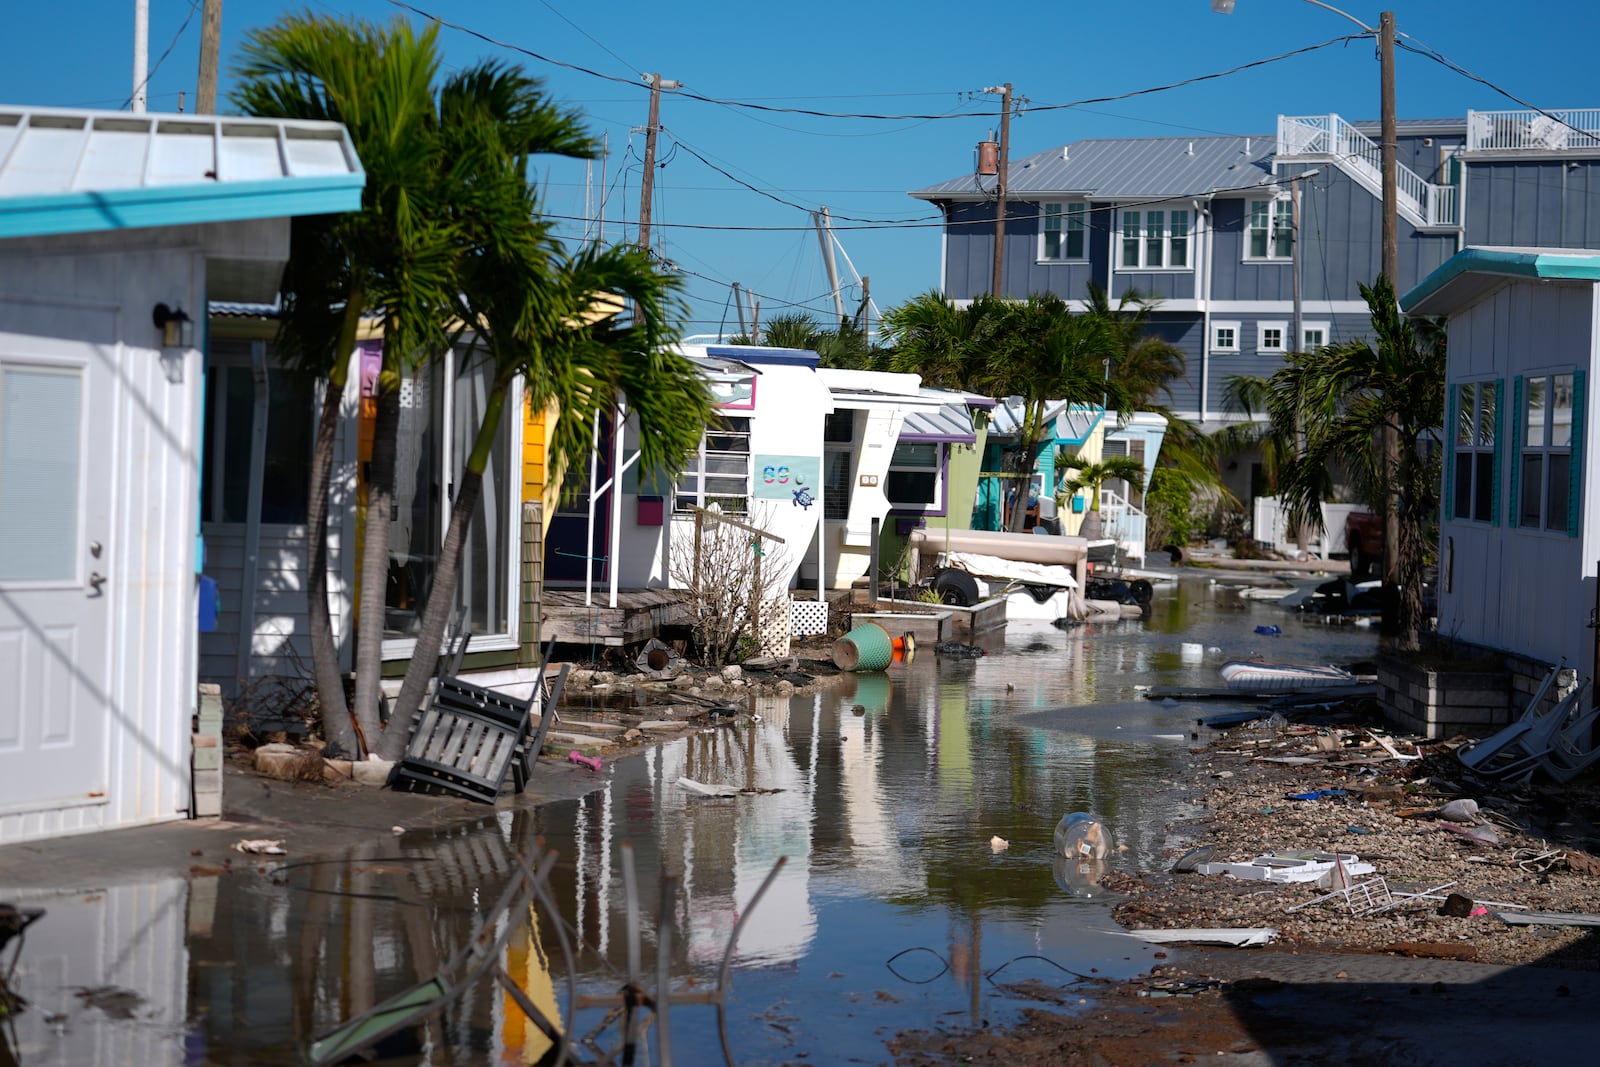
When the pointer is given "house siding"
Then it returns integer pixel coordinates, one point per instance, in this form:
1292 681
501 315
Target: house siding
1546 203
1540 598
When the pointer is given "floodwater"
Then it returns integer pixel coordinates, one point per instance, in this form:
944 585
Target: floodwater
891 909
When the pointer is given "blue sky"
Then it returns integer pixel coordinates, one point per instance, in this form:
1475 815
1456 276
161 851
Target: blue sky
859 59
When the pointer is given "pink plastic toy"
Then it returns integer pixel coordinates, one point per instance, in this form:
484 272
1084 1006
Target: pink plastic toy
591 762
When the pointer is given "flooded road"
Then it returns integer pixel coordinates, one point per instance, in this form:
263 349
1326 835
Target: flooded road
891 911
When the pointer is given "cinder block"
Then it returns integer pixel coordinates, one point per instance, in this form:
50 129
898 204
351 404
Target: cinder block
207 759
208 805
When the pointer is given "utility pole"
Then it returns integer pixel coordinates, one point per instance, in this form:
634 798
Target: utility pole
738 303
205 96
997 289
1389 440
141 54
1294 265
647 186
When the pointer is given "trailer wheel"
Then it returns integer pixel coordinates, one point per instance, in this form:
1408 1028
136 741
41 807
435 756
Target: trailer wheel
956 587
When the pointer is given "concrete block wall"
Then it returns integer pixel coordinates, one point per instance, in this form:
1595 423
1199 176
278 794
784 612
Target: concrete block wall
206 772
1438 703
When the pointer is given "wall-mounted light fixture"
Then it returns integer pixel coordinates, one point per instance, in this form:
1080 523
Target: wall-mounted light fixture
177 329
177 337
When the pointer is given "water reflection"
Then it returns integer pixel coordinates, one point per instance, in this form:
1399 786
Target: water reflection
888 790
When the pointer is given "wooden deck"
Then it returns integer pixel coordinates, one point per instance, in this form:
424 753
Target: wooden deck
639 615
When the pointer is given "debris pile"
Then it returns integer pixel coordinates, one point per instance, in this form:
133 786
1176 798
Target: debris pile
1339 837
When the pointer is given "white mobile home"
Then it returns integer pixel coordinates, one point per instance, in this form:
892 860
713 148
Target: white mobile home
1518 537
114 231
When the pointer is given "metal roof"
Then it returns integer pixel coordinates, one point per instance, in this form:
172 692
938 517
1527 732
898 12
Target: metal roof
1473 271
952 422
72 171
1128 167
1073 422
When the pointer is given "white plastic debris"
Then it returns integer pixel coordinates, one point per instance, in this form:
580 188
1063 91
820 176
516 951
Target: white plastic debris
998 843
261 847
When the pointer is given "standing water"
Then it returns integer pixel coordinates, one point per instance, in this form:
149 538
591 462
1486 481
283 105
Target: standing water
895 908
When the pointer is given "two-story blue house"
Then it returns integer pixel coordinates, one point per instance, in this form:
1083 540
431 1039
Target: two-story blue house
1207 225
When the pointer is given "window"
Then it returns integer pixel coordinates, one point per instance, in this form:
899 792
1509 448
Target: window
1270 232
914 482
838 438
230 415
1155 239
1550 423
1313 335
1224 337
1063 231
719 471
1270 336
1476 406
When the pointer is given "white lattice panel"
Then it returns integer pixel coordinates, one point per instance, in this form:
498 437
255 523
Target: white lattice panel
808 618
775 629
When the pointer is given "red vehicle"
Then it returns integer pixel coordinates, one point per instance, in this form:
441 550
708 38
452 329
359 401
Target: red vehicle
1363 537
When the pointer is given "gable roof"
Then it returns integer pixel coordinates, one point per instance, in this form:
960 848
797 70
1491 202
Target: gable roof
1127 167
75 171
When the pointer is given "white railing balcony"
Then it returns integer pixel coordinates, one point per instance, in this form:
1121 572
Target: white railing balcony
1574 130
1331 137
1124 523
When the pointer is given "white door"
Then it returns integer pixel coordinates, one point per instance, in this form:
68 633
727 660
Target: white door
57 455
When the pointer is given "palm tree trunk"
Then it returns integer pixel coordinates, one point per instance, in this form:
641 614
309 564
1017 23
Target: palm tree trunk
442 593
375 560
337 727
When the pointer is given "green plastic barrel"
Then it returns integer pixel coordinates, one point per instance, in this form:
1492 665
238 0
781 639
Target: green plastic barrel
866 648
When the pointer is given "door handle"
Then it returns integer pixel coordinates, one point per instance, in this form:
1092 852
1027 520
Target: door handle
96 580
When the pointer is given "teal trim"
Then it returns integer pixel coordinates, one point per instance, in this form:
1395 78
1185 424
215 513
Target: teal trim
1518 434
1570 266
1499 447
1452 408
1580 397
179 205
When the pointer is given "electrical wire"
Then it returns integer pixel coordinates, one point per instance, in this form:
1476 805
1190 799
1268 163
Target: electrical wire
817 113
941 223
1423 50
778 199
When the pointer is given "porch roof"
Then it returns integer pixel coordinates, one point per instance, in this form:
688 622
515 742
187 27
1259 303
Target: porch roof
76 171
951 423
1472 272
1073 422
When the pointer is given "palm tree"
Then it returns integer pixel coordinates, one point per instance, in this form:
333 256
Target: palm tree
534 312
392 255
1091 476
1338 400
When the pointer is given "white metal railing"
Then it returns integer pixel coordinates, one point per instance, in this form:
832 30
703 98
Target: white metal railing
1124 523
1533 131
1361 157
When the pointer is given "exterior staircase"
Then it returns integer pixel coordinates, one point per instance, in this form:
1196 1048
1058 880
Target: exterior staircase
1319 138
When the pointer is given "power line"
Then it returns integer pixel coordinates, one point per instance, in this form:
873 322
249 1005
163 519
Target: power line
776 198
1423 50
816 113
1149 201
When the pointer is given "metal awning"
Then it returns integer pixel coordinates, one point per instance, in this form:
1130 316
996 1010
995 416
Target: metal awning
78 171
